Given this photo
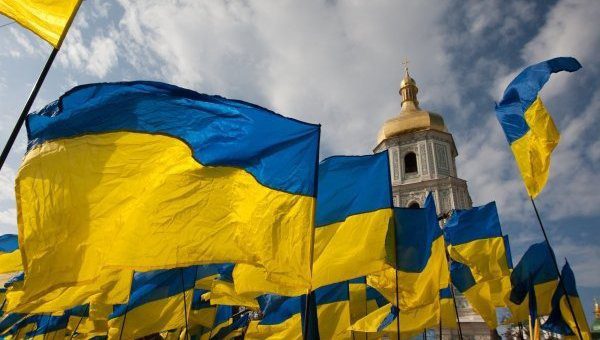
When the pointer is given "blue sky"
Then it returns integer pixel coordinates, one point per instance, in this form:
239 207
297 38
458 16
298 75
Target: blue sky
338 63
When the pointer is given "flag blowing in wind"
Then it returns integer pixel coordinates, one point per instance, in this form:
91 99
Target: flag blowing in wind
10 256
146 175
49 19
529 128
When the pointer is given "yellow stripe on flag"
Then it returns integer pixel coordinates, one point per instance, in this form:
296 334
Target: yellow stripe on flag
49 19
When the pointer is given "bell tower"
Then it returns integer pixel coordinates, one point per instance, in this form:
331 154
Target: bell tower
422 155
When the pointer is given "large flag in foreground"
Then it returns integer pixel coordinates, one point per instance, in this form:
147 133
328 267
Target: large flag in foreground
10 256
48 19
146 175
561 319
529 128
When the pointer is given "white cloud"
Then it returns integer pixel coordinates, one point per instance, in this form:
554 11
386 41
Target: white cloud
7 184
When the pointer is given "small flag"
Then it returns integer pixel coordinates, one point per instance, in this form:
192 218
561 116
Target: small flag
561 319
422 266
49 19
10 256
529 128
475 239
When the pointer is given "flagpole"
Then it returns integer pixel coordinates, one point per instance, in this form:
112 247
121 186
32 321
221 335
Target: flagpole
456 311
560 281
36 88
312 242
79 322
184 304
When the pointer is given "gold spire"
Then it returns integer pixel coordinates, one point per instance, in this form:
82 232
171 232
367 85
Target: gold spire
408 91
411 117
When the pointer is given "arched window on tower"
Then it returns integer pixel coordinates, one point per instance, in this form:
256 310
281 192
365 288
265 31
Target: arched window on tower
410 163
414 205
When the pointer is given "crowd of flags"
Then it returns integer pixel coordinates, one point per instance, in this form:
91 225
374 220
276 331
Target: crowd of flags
145 208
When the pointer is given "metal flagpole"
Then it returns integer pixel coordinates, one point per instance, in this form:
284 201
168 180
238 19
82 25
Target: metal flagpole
34 91
187 333
396 270
440 324
79 322
560 281
456 311
307 303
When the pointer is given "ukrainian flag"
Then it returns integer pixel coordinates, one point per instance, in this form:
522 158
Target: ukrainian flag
412 321
49 327
157 296
206 274
202 314
115 164
18 325
283 317
112 288
561 319
227 325
475 239
529 128
478 294
50 20
354 210
421 259
447 309
8 321
81 322
223 291
10 256
534 281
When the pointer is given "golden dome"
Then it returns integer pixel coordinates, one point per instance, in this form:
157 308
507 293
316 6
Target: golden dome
411 117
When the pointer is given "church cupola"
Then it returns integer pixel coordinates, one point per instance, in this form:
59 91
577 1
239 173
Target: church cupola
408 91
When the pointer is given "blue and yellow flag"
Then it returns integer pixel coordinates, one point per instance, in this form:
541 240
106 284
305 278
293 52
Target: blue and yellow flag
9 320
227 325
421 259
206 274
479 295
112 288
202 313
159 296
475 239
83 323
413 321
50 20
363 300
223 290
173 170
283 317
10 256
354 210
49 327
561 320
447 309
16 326
529 128
534 281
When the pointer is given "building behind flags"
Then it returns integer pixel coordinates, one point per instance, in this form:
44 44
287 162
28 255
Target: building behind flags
528 126
174 173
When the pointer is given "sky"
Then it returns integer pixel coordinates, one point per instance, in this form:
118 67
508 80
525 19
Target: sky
339 63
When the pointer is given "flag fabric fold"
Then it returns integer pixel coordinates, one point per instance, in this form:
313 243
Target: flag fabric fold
528 126
478 294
